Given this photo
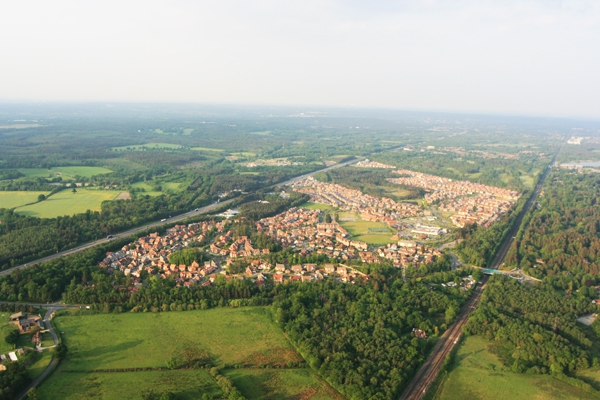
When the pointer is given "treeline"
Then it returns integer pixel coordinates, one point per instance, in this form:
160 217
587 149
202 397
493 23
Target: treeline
270 205
534 326
478 245
370 181
564 232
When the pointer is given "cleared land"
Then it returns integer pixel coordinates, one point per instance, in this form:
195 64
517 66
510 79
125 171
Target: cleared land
316 206
16 199
367 231
67 173
280 384
227 336
184 384
479 374
148 189
207 149
68 203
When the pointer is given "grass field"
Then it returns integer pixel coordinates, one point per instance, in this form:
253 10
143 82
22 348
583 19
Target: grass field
148 146
316 206
148 189
40 365
15 199
67 173
172 186
68 203
478 374
184 384
208 149
280 384
363 230
228 336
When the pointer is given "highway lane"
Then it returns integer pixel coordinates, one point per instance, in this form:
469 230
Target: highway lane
177 218
430 369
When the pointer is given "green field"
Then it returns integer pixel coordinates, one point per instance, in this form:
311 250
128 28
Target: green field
40 365
280 384
207 149
316 206
172 186
66 202
148 189
148 146
364 230
67 173
184 384
228 336
478 374
15 199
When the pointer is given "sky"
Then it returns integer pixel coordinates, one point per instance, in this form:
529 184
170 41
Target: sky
523 57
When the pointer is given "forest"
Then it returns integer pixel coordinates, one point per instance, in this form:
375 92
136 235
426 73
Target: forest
534 327
562 238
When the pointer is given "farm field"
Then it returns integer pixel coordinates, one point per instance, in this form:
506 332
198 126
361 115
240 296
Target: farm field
68 203
184 384
67 173
207 149
136 340
478 374
15 199
171 186
280 384
148 146
148 189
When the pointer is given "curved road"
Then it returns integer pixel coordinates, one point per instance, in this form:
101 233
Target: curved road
430 369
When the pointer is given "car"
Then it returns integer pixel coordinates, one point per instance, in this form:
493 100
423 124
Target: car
163 220
109 237
196 209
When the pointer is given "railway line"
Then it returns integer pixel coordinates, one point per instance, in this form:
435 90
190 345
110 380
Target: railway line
430 369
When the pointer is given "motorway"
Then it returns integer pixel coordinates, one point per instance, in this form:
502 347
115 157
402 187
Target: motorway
430 369
177 218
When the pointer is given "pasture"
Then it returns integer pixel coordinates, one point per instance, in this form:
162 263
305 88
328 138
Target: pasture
67 173
478 374
184 384
16 199
148 189
66 202
280 384
225 335
207 149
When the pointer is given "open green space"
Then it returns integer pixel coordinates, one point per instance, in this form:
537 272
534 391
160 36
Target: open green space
16 199
371 232
183 384
67 173
227 336
40 364
148 189
172 186
243 154
478 374
208 149
316 206
4 329
264 133
66 202
280 384
148 146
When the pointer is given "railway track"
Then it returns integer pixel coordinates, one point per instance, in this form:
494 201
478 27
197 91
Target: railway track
430 369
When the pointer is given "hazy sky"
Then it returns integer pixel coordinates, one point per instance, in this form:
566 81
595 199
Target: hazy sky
515 57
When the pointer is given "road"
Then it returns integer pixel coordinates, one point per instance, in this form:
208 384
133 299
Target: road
51 308
177 218
430 369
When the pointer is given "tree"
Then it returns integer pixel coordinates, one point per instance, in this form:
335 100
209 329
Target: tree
41 197
60 351
12 337
74 190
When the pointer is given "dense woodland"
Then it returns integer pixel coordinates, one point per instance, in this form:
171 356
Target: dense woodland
534 327
563 235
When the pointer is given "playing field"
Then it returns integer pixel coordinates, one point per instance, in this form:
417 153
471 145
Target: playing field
184 384
316 206
67 173
478 374
66 202
15 199
371 232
